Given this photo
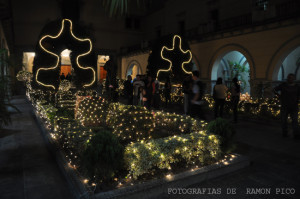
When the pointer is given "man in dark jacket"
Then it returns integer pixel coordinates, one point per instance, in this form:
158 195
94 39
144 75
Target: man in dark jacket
128 90
289 97
197 95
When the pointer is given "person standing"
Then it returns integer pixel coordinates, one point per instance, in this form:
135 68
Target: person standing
187 91
149 92
196 100
156 96
219 95
128 90
100 87
167 91
235 97
136 85
289 98
62 77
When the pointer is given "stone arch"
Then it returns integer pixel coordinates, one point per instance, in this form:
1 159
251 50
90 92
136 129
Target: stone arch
278 57
131 64
196 61
222 51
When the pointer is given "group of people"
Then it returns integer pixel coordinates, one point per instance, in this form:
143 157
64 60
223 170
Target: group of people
146 93
194 89
143 92
65 77
288 92
220 94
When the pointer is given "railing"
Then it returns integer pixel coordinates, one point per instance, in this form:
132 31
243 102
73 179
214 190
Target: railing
288 9
214 26
143 47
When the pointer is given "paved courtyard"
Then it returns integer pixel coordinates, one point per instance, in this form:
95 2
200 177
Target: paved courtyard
27 169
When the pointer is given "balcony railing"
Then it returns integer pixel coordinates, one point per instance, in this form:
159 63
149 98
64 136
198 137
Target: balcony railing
288 9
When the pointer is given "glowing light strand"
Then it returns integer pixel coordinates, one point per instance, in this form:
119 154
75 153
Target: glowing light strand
58 58
170 62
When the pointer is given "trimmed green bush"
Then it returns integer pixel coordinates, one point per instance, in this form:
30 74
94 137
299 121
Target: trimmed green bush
65 113
72 137
102 157
130 122
142 157
176 124
47 111
225 130
92 111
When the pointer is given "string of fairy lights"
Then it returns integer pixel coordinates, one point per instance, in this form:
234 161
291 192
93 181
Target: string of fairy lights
257 107
92 111
131 123
176 124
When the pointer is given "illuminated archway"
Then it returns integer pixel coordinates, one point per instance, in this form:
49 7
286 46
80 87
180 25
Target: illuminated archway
226 60
133 69
290 64
65 66
280 56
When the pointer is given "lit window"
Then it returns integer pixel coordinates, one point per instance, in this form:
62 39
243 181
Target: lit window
262 4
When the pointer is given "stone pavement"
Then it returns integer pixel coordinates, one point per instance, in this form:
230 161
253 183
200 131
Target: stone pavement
27 169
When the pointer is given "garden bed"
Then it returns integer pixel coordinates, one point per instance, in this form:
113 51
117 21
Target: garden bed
138 152
149 186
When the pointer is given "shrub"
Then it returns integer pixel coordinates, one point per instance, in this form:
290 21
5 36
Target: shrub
130 122
46 111
197 147
65 113
225 130
24 76
92 111
72 137
176 124
102 156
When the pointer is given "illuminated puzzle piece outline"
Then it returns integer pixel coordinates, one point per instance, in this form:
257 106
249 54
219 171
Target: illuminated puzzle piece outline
58 58
170 62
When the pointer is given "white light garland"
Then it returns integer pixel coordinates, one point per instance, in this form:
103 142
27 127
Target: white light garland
58 58
170 62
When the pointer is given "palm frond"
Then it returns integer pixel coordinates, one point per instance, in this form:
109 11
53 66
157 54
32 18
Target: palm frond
120 7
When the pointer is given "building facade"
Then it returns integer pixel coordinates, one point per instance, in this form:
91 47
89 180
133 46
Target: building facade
259 37
263 37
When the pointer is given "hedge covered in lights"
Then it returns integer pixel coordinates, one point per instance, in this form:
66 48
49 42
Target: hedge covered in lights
92 111
72 137
258 107
176 124
102 156
46 111
194 148
130 122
